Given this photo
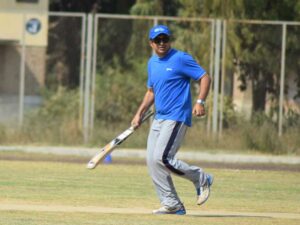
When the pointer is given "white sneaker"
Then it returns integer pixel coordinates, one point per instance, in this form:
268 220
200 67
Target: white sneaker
204 191
179 210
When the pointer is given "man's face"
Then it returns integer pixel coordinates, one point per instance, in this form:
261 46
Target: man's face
161 44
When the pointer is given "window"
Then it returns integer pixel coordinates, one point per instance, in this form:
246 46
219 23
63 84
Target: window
27 1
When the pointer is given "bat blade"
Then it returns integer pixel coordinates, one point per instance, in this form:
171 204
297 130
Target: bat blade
100 156
109 148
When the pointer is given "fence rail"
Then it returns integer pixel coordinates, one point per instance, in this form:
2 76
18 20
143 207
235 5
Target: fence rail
214 38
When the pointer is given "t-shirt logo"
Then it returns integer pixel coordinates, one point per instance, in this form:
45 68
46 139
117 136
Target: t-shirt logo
33 26
159 30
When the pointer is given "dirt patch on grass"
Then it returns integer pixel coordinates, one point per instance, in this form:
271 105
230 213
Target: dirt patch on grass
109 210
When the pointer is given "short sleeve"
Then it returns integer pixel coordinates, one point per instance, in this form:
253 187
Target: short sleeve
149 82
191 68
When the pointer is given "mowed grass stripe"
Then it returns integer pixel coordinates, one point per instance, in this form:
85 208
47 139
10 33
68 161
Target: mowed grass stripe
109 210
129 187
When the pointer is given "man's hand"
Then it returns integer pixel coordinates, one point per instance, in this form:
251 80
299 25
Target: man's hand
136 121
199 107
147 102
198 110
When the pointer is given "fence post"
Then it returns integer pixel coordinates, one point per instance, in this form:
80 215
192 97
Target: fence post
22 72
211 70
216 78
223 74
87 89
282 76
94 68
82 66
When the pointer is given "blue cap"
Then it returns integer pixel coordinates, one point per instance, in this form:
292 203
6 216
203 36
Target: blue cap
157 30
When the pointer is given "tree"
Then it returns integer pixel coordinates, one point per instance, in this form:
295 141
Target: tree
64 48
260 48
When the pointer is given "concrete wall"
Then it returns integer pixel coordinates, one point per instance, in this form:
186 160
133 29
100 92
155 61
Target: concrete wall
17 30
27 5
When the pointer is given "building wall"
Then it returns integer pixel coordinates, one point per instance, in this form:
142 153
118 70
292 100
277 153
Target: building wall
14 16
24 5
11 28
10 70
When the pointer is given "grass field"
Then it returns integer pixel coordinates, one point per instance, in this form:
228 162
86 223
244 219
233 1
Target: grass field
35 192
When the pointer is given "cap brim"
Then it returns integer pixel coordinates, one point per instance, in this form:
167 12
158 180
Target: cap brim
154 36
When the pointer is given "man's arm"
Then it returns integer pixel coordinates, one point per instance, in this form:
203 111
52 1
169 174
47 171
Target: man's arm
146 103
204 84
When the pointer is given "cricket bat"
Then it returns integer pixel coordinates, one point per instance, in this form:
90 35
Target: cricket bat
100 156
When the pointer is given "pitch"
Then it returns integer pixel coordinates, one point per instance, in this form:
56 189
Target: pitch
43 192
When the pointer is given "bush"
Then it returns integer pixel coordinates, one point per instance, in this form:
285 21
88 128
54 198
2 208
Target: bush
56 121
262 138
119 92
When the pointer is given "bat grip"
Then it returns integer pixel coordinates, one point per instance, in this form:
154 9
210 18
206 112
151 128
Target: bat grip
148 114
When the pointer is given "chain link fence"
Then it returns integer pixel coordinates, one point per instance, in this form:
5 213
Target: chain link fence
85 79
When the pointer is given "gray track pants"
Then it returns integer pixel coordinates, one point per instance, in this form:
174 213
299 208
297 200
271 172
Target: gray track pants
164 141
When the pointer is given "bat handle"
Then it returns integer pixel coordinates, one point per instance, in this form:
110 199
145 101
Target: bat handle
144 118
148 114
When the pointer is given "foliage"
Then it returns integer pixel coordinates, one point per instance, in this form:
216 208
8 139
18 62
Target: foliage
56 121
3 133
62 103
255 47
64 43
292 119
261 49
251 46
92 6
121 92
156 7
112 42
262 134
230 117
64 51
122 54
146 7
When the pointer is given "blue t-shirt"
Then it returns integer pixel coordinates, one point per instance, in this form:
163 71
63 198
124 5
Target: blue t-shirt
169 77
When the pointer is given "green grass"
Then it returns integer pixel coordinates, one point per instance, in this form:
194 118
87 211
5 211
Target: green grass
129 186
21 218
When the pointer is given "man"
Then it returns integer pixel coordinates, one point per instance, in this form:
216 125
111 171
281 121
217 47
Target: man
169 74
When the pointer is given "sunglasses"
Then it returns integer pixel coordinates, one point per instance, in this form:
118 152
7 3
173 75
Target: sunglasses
164 40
